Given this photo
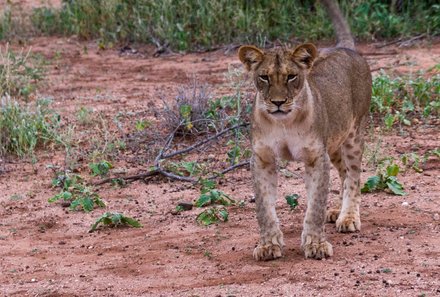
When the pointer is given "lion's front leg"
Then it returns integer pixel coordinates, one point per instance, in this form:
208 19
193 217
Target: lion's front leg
265 184
314 243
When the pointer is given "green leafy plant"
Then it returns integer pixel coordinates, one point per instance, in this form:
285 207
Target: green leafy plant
399 99
214 196
210 195
213 215
101 168
75 191
115 219
292 200
385 180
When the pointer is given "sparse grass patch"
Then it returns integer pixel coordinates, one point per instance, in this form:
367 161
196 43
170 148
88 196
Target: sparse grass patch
24 127
20 72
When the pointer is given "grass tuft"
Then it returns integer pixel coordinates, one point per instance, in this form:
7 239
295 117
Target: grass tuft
25 127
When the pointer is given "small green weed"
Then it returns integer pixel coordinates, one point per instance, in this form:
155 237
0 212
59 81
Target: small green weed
207 254
385 180
84 116
213 215
292 200
416 161
75 191
101 168
115 219
210 195
141 125
214 196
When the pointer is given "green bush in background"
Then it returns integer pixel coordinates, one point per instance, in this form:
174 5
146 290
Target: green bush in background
200 24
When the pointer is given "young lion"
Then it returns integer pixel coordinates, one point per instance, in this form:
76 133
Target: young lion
311 107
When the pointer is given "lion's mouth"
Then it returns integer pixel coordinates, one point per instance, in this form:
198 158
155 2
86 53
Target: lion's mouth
279 112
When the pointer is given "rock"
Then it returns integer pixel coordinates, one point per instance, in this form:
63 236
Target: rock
185 205
405 204
436 217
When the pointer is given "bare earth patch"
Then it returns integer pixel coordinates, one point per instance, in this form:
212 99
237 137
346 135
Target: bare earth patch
46 251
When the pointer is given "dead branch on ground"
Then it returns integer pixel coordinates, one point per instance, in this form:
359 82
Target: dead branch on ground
158 170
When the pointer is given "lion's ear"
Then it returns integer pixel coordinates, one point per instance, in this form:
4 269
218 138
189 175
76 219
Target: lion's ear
250 55
305 54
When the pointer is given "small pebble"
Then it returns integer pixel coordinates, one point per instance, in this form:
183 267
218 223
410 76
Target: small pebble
405 204
436 217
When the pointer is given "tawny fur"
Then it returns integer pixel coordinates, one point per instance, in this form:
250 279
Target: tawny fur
310 107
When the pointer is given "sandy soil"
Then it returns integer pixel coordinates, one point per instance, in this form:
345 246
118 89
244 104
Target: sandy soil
46 250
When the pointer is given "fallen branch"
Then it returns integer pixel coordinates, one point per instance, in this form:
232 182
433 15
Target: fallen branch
390 53
200 143
158 170
401 41
385 67
233 167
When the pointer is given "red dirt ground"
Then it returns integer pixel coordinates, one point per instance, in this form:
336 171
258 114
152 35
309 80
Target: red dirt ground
46 250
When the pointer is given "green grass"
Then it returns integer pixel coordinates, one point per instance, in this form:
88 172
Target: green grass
24 127
199 24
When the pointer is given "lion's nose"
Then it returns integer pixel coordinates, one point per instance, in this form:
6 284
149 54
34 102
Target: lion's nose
278 102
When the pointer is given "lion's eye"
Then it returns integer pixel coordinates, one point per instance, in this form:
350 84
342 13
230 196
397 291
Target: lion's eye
291 77
264 78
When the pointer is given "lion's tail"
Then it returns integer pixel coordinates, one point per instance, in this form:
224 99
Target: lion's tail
343 33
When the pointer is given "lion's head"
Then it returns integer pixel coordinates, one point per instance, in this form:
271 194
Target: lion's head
278 74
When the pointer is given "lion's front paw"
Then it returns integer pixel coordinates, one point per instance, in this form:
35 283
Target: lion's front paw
315 248
332 215
267 252
348 223
270 247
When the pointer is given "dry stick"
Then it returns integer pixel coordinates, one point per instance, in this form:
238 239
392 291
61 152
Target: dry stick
161 156
200 143
385 67
166 146
233 167
400 40
390 53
